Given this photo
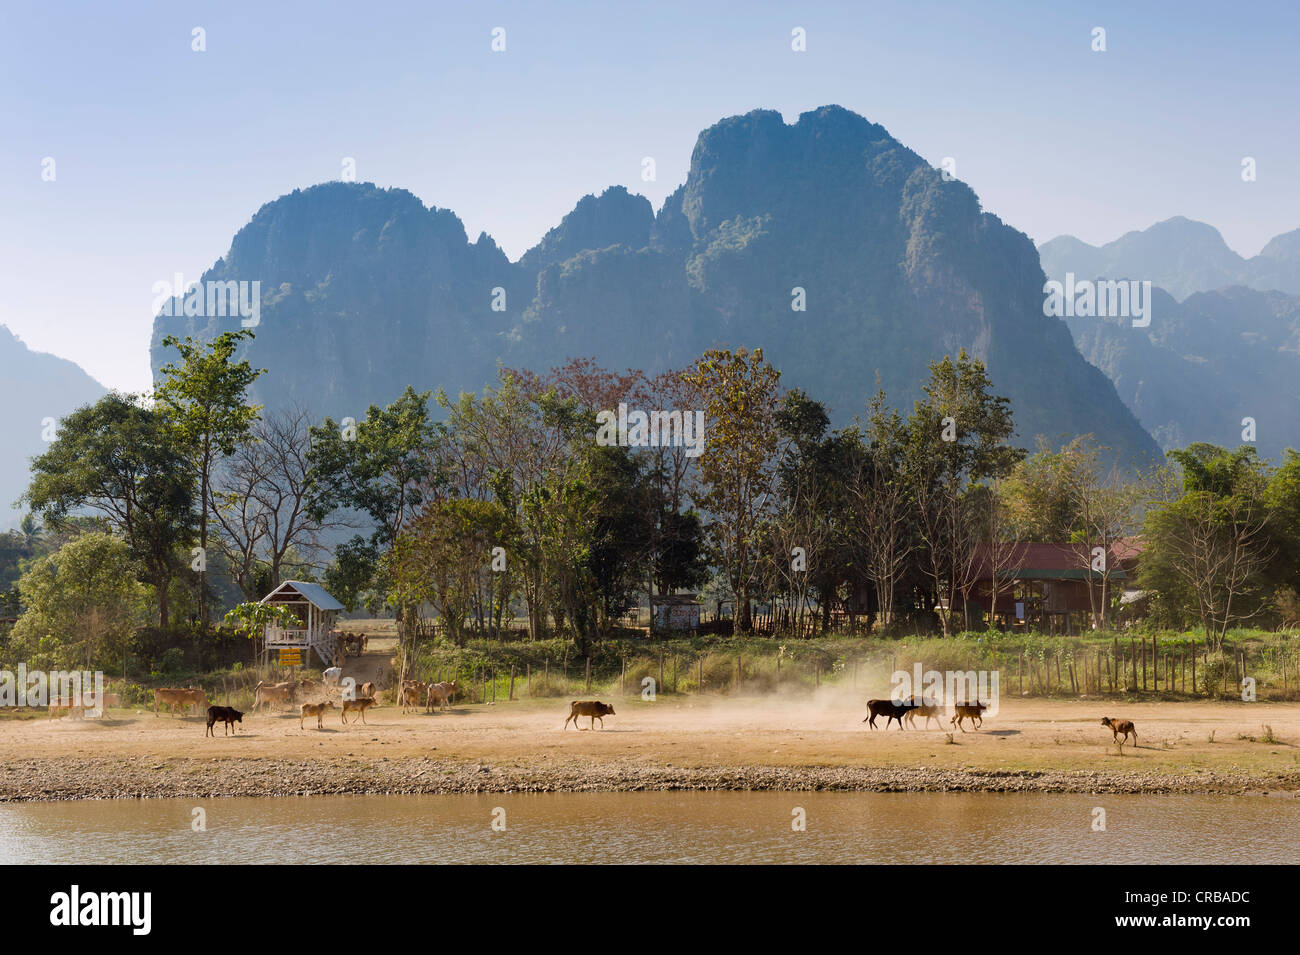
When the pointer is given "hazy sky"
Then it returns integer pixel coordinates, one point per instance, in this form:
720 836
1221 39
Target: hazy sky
162 153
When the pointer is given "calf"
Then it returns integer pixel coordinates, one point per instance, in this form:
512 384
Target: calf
893 709
74 711
593 708
972 711
360 705
314 709
931 711
1120 726
228 715
411 692
268 693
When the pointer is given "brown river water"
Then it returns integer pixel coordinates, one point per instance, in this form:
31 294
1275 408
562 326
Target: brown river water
707 827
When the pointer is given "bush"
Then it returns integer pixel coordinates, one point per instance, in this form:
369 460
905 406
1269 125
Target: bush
172 660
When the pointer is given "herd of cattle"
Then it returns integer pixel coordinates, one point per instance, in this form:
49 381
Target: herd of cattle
316 698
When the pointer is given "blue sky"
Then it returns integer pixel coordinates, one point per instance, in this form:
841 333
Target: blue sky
162 153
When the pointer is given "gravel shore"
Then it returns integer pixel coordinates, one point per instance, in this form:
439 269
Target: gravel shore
115 778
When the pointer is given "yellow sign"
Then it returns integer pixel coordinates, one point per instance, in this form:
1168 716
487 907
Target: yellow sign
290 658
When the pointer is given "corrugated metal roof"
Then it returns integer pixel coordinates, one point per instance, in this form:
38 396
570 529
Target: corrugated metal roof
315 594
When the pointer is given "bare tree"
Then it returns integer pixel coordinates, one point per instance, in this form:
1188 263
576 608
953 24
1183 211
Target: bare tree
261 497
1218 546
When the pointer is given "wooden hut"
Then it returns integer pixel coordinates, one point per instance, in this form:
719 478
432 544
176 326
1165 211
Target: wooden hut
1046 584
318 612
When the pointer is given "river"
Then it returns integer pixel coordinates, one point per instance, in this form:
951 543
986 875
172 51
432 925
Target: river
708 827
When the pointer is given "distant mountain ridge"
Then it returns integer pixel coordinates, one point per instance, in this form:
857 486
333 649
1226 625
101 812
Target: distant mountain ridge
1205 365
1179 255
35 386
365 290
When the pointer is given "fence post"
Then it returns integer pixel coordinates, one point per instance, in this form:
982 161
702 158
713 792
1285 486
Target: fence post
699 687
1020 672
512 683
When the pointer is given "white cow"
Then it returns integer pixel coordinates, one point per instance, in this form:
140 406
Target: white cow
332 676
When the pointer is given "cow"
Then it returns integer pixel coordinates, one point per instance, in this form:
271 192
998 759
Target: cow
367 689
893 709
74 711
269 693
931 711
972 711
228 715
360 704
1120 726
411 692
332 676
314 709
440 693
174 697
593 708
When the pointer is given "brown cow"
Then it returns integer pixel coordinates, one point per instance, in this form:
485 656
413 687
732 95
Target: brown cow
314 709
1120 726
972 711
931 711
74 711
440 693
411 693
593 708
367 689
268 693
360 705
174 697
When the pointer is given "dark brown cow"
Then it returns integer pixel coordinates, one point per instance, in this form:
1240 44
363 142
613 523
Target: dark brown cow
893 709
228 715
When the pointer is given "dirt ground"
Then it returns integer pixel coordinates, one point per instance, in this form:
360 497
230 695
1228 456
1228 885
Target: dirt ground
816 741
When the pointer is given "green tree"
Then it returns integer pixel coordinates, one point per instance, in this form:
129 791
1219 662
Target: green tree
1207 551
82 602
385 466
739 391
204 399
957 437
118 457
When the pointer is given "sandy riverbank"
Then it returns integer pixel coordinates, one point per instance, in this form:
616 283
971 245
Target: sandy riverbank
700 743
